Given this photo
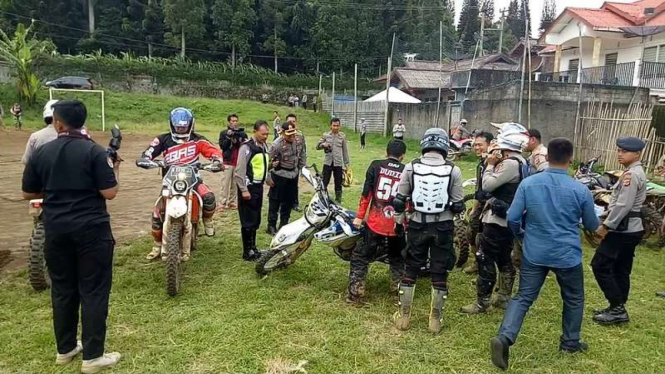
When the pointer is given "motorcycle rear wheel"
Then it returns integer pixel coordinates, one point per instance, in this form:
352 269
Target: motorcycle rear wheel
37 270
173 249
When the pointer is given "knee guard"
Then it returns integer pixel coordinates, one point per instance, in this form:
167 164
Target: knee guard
209 205
156 226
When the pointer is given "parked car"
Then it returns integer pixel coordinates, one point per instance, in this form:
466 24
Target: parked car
81 83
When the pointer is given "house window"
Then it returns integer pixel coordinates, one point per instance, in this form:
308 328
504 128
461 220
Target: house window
573 65
611 59
650 54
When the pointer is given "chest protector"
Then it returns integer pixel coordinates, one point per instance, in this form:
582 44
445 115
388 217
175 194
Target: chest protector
431 187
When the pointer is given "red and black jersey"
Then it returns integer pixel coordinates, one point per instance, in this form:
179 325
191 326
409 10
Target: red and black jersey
181 153
380 188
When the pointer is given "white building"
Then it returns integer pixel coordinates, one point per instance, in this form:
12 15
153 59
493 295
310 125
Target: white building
618 44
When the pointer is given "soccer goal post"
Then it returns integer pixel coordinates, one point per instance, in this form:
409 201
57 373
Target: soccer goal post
52 90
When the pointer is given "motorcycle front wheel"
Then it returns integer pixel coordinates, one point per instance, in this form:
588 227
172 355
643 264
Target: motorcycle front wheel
37 271
173 242
276 259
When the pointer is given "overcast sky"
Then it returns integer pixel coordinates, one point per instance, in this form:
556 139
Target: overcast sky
536 7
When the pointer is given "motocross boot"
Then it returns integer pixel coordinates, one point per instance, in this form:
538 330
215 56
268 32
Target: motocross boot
480 306
209 228
338 197
356 292
403 315
436 310
155 252
501 298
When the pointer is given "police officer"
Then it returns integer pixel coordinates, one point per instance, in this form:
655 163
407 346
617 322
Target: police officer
75 177
250 174
538 158
300 137
433 186
381 181
336 159
505 169
621 231
480 145
43 136
287 158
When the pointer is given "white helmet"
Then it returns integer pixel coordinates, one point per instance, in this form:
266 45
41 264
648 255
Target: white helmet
512 136
48 109
463 121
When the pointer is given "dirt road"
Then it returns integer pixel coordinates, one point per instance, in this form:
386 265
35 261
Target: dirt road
130 211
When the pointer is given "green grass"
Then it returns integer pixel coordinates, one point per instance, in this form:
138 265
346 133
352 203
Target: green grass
228 320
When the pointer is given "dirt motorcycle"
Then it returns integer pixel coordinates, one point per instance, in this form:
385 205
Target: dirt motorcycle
182 215
601 186
323 220
38 275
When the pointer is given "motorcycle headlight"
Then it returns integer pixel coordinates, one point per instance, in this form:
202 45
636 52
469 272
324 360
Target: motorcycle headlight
180 186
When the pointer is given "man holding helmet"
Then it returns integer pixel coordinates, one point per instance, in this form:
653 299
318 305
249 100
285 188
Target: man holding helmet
43 136
433 188
504 171
182 146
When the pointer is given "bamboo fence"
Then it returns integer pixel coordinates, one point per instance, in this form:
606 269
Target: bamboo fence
602 123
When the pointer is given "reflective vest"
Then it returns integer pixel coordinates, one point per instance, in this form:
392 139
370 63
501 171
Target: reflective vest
431 187
257 164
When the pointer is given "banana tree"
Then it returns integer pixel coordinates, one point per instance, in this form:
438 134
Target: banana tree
21 52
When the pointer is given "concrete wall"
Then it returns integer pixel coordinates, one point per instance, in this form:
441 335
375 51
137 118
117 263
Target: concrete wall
553 106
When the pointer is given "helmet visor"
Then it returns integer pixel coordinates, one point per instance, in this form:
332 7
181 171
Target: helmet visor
181 128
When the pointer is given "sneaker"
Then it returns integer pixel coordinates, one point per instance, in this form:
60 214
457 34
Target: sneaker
97 364
580 347
65 358
209 228
500 350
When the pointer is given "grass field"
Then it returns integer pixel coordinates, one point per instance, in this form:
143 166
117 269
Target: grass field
229 320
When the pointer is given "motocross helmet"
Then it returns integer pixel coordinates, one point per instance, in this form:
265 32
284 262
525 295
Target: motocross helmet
512 137
48 111
435 139
181 122
463 122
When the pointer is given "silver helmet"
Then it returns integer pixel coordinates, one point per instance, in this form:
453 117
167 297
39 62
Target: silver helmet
435 139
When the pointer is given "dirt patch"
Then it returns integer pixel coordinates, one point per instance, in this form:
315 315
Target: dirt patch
130 211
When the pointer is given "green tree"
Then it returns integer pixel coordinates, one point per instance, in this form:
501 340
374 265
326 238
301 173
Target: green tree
548 15
22 52
487 8
235 20
185 19
469 24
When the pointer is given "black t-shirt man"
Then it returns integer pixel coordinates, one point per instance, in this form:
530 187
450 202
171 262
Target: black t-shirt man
75 177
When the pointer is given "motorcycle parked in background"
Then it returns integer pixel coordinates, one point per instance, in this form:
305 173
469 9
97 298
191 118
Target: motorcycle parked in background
182 214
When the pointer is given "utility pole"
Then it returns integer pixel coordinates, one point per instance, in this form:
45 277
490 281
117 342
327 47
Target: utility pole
438 102
500 30
392 49
332 104
355 99
275 45
482 32
385 127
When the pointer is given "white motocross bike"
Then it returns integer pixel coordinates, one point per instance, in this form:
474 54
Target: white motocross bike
182 214
323 220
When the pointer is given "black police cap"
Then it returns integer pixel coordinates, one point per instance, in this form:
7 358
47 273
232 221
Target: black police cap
631 144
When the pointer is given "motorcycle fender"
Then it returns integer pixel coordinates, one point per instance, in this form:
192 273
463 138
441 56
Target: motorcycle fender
176 207
289 234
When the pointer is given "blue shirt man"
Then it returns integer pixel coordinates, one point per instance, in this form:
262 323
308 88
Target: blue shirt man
546 212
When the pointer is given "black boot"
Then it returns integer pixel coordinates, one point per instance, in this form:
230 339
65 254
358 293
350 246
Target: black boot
250 253
272 229
500 348
338 197
614 315
580 347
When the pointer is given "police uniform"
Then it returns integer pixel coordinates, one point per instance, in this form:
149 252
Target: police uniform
475 226
538 160
70 171
433 187
250 174
613 261
335 161
496 239
381 181
289 158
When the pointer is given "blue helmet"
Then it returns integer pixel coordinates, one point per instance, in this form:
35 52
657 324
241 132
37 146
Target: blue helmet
181 122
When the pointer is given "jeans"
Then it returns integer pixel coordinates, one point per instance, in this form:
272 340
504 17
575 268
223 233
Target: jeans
532 277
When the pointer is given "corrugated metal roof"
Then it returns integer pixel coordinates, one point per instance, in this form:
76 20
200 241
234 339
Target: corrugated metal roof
423 79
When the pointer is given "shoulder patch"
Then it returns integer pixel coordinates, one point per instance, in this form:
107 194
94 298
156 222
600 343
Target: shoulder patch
627 177
154 142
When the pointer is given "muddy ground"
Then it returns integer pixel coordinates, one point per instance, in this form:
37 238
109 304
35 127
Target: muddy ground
130 211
